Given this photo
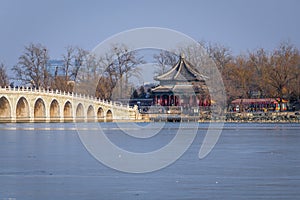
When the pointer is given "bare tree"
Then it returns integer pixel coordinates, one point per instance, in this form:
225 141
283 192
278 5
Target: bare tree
81 57
3 76
220 54
88 74
119 65
226 64
104 88
68 61
258 61
73 60
293 86
165 61
32 67
282 70
61 81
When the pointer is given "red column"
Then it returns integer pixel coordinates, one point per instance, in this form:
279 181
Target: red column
179 103
174 100
166 100
191 101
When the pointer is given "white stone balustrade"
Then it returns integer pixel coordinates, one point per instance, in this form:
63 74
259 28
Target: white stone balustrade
35 105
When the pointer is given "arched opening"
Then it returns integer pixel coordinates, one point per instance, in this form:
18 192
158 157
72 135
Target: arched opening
68 112
5 110
39 110
79 112
100 115
91 113
54 111
109 116
22 110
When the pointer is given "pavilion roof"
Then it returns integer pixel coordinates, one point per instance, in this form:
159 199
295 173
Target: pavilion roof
182 71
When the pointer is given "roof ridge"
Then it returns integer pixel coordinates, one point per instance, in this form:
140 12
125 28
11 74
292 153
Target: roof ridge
182 69
180 66
171 70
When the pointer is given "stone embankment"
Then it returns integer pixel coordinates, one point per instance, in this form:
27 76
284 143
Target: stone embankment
262 117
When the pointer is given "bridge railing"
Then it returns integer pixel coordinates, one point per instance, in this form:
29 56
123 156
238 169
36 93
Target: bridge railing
64 93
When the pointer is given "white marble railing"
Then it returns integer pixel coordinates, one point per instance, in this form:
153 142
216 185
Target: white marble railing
59 92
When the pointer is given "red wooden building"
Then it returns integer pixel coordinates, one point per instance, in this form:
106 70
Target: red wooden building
264 104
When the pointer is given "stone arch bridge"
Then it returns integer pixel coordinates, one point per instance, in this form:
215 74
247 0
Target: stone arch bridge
38 105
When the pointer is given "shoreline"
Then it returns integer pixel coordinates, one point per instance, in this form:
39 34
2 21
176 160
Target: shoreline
259 117
162 121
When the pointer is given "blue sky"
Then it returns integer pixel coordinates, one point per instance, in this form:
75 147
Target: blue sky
239 24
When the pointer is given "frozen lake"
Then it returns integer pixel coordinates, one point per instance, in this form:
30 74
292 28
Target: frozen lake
250 161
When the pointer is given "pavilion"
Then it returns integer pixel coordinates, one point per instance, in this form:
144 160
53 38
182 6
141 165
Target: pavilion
182 86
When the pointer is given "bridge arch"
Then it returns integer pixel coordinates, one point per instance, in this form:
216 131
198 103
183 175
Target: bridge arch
68 116
90 113
39 110
22 110
54 110
5 109
109 116
100 114
80 112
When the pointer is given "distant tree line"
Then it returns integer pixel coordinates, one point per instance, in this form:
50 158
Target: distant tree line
256 74
260 73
